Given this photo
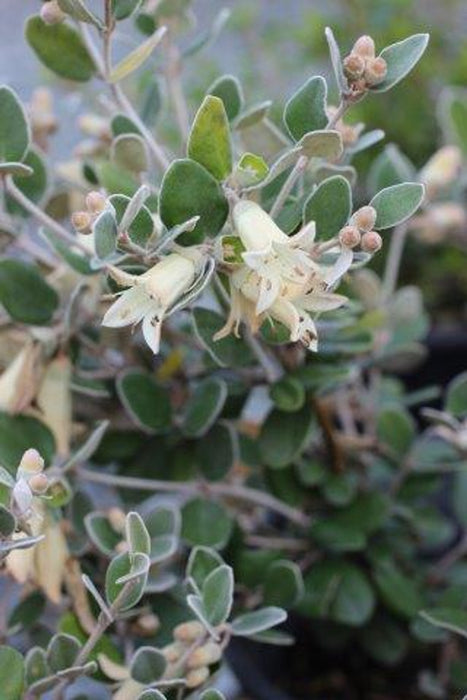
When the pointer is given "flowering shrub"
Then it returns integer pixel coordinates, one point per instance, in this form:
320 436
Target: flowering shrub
201 423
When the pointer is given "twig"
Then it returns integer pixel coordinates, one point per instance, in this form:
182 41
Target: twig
330 437
339 113
233 491
44 218
393 263
297 170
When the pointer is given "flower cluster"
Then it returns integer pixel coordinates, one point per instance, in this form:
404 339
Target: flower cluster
362 68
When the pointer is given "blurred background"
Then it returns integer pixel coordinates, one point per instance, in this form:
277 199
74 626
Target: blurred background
273 46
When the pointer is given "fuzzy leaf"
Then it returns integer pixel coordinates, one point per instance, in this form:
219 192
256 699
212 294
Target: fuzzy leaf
147 403
209 141
136 534
14 127
17 434
283 584
206 523
136 58
189 190
456 397
228 352
229 90
306 109
283 437
105 234
25 294
147 665
78 10
397 203
11 673
62 651
130 572
129 152
401 57
217 595
258 621
329 206
204 406
60 48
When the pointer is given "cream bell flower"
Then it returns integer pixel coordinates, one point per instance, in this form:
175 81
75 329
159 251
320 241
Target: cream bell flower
152 295
442 169
275 257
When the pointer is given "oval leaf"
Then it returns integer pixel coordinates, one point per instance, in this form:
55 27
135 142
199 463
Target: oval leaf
397 203
25 294
14 127
329 206
209 141
401 57
306 109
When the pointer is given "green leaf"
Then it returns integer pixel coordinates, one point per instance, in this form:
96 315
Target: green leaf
14 128
283 584
206 523
60 48
27 612
151 694
147 665
122 9
142 226
288 394
322 144
145 401
258 621
385 641
101 533
228 352
19 433
401 57
229 90
163 520
136 534
204 407
215 454
456 396
62 651
217 595
209 141
121 124
329 206
34 186
78 10
36 666
137 57
399 592
395 427
453 115
451 619
77 261
129 573
340 591
105 234
397 203
11 673
391 167
201 562
189 190
7 522
25 294
130 153
250 170
284 436
306 109
212 695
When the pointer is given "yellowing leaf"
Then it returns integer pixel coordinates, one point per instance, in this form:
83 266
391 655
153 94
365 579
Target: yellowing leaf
137 57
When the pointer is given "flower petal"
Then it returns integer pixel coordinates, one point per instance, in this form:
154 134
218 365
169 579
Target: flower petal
321 301
340 267
152 326
130 308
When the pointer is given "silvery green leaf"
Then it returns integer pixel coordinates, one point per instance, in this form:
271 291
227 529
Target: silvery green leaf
125 580
72 673
96 595
204 406
105 233
136 58
16 169
209 142
201 562
147 665
62 651
323 171
163 520
11 673
89 446
397 203
15 133
391 167
217 595
6 479
133 208
306 110
21 543
336 60
258 621
229 90
401 57
322 144
452 115
365 141
329 206
195 602
137 535
255 113
129 152
210 35
79 11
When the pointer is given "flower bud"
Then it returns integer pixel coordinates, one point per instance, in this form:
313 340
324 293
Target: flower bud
116 518
147 624
354 66
51 13
188 631
39 483
364 47
371 242
95 202
364 218
173 652
81 221
375 71
349 236
31 462
206 655
197 677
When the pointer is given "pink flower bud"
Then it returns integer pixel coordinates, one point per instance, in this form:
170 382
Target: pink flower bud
81 221
364 47
371 242
51 12
31 462
349 236
365 218
375 71
188 631
39 483
354 66
95 202
197 677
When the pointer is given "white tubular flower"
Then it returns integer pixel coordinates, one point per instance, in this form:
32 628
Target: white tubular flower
151 295
274 256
